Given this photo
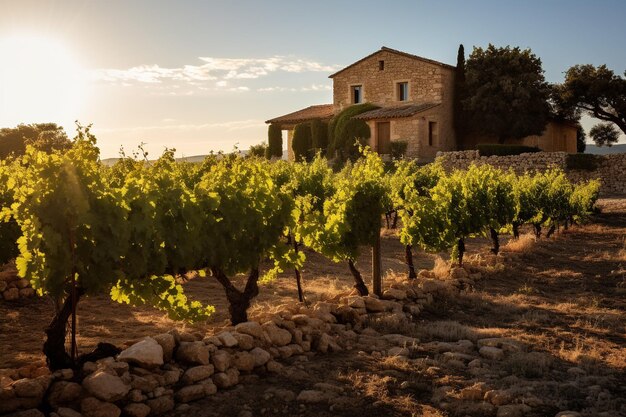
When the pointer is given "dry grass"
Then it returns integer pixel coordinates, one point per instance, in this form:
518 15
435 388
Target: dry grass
523 244
452 331
441 268
528 365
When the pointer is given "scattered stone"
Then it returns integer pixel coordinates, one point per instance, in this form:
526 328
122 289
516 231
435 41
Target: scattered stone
221 360
568 414
244 341
11 294
243 361
373 305
190 393
136 410
311 396
168 344
92 407
498 397
193 353
513 410
197 373
474 393
398 351
26 292
161 404
147 353
492 353
394 294
261 356
28 388
251 328
275 367
105 386
278 336
63 392
227 339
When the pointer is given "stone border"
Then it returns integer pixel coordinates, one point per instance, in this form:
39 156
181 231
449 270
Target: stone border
156 373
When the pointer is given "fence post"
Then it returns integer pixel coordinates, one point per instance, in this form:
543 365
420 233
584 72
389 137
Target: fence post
376 276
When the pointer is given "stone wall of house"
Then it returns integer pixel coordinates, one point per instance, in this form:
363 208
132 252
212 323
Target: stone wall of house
611 169
428 82
158 374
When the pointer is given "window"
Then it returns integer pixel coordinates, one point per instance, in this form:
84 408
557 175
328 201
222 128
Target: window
381 65
357 94
403 91
432 133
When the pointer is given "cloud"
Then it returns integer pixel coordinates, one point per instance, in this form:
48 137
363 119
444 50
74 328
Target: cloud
312 87
212 74
228 126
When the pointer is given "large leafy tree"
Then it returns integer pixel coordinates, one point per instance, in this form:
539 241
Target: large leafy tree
596 91
42 136
507 95
604 134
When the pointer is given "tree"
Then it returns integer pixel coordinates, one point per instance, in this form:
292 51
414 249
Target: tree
319 135
259 150
596 91
604 134
459 95
581 137
345 131
43 136
506 93
274 142
301 142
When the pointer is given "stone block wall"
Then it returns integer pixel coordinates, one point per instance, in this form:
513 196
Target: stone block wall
13 287
611 169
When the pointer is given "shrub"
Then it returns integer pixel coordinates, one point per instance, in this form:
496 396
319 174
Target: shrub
344 131
489 149
398 148
258 150
274 141
301 143
319 135
582 161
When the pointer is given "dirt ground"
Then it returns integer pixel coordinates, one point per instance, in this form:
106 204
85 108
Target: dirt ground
564 298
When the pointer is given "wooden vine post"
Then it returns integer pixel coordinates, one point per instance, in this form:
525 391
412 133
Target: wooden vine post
376 276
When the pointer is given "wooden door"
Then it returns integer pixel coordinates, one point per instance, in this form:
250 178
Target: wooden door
383 137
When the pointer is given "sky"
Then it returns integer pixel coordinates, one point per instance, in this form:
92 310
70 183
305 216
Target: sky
205 75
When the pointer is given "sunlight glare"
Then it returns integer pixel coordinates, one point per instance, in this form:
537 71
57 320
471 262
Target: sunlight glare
40 81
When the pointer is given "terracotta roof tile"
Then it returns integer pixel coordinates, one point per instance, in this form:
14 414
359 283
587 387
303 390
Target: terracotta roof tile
395 112
322 111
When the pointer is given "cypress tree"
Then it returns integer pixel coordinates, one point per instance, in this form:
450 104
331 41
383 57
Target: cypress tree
459 95
319 135
301 142
274 142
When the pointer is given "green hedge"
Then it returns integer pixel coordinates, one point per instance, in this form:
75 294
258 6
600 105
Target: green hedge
398 148
489 149
582 161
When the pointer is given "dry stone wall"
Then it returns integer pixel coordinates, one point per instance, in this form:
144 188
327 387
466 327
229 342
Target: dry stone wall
13 287
611 170
158 374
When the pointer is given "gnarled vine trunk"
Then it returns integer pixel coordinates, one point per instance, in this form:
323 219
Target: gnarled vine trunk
358 280
515 230
54 345
239 301
537 227
408 256
495 239
551 230
461 249
297 271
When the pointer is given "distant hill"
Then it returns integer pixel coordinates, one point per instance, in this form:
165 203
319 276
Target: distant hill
605 150
194 158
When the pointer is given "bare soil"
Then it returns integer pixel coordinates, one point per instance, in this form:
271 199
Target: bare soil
563 297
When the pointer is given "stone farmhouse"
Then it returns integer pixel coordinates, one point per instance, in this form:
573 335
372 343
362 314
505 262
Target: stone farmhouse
415 96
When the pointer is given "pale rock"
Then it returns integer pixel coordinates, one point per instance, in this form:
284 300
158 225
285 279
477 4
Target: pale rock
243 361
355 302
213 340
476 363
568 414
394 294
373 305
21 283
28 388
492 353
147 354
498 397
459 273
136 396
92 407
89 367
144 383
221 360
278 336
190 393
251 328
274 367
136 410
63 392
3 285
105 386
11 294
193 353
226 379
261 356
227 339
244 341
197 373
168 344
63 374
172 376
474 393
